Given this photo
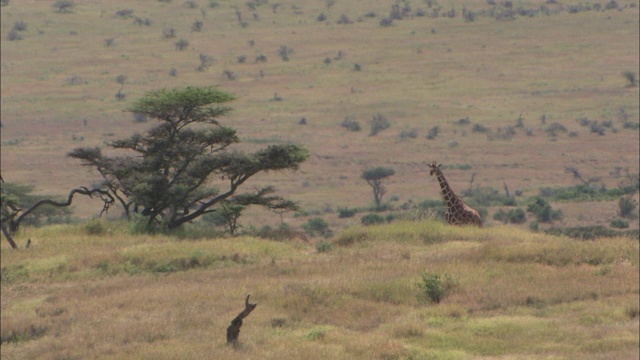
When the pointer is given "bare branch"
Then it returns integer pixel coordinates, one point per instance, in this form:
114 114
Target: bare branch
105 196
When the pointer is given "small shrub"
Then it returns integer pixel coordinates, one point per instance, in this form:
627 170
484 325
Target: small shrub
346 212
64 6
196 26
434 288
386 22
619 224
350 123
323 246
378 123
181 44
372 219
631 78
433 132
169 33
408 134
463 121
317 226
284 52
20 26
344 19
554 129
95 227
14 35
121 79
316 334
513 216
75 80
627 208
543 211
478 128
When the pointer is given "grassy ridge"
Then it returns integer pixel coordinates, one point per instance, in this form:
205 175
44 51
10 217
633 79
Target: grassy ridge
516 295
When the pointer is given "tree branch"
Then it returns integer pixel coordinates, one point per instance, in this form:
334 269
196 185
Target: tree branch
105 196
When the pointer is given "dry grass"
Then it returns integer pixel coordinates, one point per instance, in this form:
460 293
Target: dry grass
515 297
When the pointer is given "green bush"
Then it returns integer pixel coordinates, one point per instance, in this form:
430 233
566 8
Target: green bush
346 212
513 216
323 246
543 211
627 208
582 192
619 224
95 227
317 226
434 288
488 196
372 219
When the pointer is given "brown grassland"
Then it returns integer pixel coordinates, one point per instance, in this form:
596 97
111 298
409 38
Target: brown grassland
517 295
95 290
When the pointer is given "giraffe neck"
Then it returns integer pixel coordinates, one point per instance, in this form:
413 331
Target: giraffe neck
450 198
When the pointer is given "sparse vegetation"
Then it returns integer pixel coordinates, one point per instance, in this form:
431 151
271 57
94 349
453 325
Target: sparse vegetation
64 6
632 80
378 123
182 44
317 227
434 287
628 208
543 211
350 123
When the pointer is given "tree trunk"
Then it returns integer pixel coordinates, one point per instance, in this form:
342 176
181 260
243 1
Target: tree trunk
9 238
233 331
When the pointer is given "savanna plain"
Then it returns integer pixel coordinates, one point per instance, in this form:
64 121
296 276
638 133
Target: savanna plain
521 101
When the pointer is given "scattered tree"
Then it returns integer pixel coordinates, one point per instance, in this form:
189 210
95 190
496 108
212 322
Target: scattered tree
374 177
167 178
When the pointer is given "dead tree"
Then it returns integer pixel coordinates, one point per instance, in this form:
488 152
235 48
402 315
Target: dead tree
233 331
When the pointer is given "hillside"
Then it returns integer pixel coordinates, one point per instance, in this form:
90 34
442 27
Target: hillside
95 291
502 93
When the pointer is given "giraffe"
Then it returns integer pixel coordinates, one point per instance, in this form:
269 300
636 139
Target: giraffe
458 213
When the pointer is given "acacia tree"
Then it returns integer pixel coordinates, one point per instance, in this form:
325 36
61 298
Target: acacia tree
184 167
374 177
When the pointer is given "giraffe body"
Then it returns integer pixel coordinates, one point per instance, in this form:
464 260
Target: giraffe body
458 213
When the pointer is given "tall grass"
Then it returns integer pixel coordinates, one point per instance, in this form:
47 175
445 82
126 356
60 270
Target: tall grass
516 294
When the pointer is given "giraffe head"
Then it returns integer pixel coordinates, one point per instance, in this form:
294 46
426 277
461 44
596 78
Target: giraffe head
435 167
